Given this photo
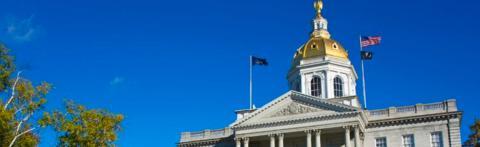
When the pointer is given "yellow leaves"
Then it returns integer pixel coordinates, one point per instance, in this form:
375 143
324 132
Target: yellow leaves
27 98
119 117
8 124
77 126
25 90
44 88
7 67
80 126
19 104
474 137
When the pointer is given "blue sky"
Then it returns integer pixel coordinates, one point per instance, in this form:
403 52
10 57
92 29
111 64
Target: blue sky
173 66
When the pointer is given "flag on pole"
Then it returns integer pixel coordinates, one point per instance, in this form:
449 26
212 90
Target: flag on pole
366 55
255 61
366 41
259 61
370 40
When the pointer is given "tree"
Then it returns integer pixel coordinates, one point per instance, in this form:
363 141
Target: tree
474 138
20 100
79 126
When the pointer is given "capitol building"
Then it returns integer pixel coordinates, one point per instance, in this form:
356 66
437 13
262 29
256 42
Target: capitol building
322 109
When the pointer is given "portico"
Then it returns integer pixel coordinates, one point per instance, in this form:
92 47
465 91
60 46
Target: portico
291 121
347 136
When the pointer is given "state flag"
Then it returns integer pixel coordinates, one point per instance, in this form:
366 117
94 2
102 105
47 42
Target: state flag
259 61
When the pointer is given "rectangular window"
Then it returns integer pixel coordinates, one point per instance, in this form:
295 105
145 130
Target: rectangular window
381 142
408 141
437 139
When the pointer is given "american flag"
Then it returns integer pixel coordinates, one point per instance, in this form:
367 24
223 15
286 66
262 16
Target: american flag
370 40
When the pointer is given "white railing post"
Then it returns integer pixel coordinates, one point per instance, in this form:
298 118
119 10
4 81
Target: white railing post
185 136
391 110
418 107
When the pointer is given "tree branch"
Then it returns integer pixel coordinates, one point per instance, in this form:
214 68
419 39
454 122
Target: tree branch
16 136
13 91
20 109
21 122
18 129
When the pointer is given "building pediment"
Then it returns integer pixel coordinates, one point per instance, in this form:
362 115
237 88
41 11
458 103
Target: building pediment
293 106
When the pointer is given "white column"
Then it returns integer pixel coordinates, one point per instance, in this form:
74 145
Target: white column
324 84
245 142
272 140
317 138
309 138
238 142
304 85
280 140
347 137
357 136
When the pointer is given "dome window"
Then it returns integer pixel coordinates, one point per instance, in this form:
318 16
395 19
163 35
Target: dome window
316 86
335 46
314 46
338 87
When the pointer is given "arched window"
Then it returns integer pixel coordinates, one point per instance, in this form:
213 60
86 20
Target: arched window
316 86
338 87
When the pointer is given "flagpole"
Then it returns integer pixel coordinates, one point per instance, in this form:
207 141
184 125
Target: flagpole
363 76
251 84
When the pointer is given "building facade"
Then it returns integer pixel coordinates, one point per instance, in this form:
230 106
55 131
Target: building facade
322 109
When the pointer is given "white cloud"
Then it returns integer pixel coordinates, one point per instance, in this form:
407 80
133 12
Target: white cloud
117 80
21 29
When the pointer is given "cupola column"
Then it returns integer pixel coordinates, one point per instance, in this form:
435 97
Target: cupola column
320 24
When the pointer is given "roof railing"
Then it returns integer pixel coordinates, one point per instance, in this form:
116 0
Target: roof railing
418 109
205 134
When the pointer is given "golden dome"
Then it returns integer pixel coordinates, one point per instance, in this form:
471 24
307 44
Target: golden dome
320 47
319 44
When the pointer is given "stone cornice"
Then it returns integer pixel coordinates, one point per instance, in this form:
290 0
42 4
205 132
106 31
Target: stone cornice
363 121
297 121
413 119
329 61
298 129
272 103
205 142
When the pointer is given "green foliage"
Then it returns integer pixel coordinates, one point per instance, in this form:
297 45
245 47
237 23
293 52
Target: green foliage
474 138
7 67
19 102
80 126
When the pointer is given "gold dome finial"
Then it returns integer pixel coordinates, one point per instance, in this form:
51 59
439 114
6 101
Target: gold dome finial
320 24
318 5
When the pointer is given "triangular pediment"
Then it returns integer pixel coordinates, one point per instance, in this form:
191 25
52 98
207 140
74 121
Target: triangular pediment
293 105
297 108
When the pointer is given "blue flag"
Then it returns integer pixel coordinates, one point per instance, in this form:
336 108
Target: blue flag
259 61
